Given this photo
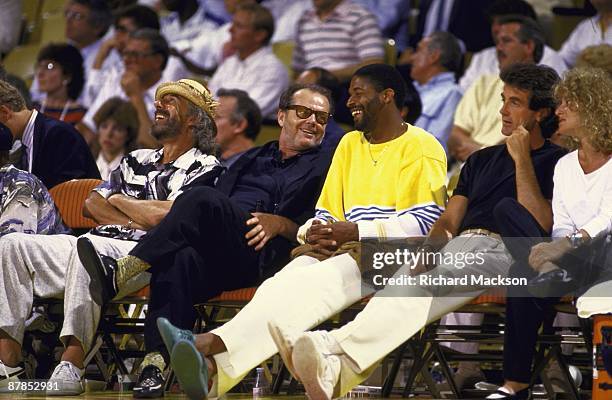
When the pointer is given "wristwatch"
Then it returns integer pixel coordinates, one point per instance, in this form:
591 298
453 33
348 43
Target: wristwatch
576 239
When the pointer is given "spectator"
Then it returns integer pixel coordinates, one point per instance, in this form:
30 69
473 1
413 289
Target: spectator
254 68
187 19
25 204
238 120
87 21
582 211
592 31
599 56
145 57
131 19
435 64
485 61
59 70
52 150
205 52
476 123
117 126
322 77
338 36
131 202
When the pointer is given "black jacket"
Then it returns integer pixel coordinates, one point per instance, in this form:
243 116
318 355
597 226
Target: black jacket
60 153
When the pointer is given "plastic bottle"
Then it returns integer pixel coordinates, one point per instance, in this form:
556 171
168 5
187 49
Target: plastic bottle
262 386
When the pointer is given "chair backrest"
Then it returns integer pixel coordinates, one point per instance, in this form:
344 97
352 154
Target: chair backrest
70 197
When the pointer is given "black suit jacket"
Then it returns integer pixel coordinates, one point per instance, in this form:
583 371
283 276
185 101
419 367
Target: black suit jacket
296 201
467 22
60 153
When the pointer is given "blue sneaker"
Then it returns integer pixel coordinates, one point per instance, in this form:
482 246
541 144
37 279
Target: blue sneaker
171 334
190 369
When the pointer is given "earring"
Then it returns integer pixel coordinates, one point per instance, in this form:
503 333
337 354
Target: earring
65 82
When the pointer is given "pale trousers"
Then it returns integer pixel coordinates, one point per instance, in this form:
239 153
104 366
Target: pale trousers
307 292
48 267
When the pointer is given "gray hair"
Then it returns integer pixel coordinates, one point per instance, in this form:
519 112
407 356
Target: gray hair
204 130
450 52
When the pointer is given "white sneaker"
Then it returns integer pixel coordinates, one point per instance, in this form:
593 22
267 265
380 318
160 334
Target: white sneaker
9 374
284 343
316 361
66 380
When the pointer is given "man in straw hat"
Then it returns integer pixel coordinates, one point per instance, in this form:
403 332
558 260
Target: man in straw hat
136 197
226 238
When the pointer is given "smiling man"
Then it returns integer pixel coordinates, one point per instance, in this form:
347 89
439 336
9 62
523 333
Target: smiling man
228 238
135 198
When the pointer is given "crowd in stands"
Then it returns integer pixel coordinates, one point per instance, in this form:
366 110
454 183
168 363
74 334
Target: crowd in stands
465 133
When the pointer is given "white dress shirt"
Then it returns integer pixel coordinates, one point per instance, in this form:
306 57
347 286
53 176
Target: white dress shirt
106 167
261 75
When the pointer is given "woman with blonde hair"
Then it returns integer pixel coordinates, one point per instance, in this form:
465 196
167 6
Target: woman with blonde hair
582 214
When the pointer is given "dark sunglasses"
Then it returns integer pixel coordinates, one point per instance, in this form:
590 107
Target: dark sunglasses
304 112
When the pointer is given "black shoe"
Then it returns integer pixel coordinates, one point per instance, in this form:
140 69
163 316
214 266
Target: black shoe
101 269
150 383
555 283
501 395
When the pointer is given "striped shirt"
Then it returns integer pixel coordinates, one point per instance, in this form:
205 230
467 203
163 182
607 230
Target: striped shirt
142 175
349 35
390 190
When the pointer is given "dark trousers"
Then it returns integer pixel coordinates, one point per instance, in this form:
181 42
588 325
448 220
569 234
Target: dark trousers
524 313
195 253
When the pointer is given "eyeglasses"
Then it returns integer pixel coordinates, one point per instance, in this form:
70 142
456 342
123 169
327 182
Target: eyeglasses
304 112
136 54
77 16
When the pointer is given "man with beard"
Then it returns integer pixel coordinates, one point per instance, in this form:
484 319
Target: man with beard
136 197
386 180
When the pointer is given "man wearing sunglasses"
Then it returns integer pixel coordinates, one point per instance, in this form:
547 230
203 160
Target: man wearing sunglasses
229 237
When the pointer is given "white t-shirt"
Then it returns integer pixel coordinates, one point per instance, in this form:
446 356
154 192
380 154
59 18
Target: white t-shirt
581 201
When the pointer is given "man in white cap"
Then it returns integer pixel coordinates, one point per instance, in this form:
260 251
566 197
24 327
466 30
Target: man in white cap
136 197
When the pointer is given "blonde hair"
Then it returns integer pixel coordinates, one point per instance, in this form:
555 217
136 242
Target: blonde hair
599 56
588 91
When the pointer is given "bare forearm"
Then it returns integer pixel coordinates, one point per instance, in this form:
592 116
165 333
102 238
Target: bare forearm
101 211
344 74
530 196
145 213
